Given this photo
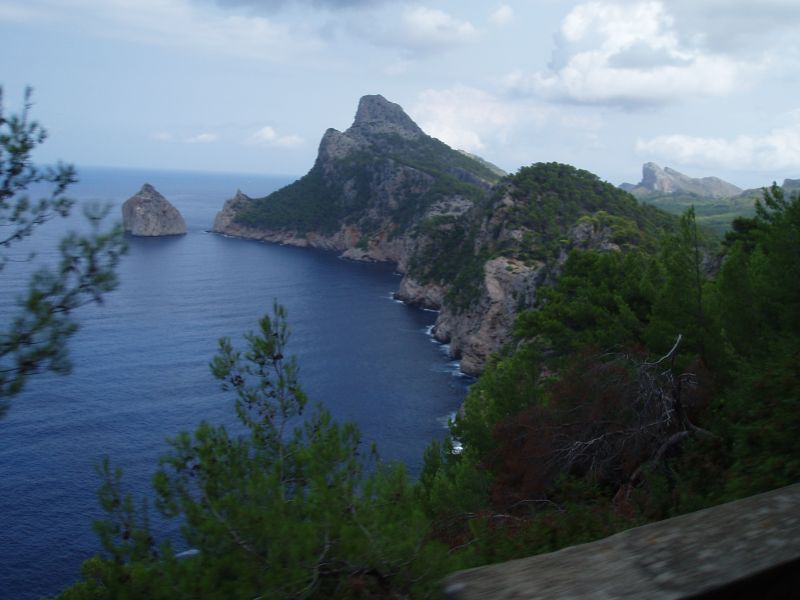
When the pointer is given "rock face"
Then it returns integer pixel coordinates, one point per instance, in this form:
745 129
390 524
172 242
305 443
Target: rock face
377 116
148 213
791 186
474 334
669 181
472 244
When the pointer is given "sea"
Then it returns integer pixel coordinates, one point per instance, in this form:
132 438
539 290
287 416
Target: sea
140 364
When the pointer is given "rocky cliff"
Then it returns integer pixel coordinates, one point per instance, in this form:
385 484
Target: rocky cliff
791 186
484 266
147 213
716 202
669 181
472 244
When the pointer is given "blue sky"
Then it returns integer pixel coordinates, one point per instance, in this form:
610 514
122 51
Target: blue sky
708 87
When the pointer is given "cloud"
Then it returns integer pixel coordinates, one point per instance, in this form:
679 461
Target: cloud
272 5
416 31
175 23
199 138
738 27
202 138
469 118
626 55
267 136
777 149
430 27
502 15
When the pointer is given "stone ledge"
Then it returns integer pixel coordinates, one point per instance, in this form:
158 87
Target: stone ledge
709 553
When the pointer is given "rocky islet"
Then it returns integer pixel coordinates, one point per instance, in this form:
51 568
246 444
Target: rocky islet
148 214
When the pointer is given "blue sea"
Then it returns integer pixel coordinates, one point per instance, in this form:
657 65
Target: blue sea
141 364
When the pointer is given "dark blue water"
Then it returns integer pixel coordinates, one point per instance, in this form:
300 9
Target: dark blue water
141 366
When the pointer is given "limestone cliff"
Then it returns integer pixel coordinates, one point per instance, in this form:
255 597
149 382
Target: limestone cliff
486 326
149 214
484 266
716 202
669 181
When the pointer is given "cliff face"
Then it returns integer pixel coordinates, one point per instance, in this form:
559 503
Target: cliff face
497 255
475 333
470 244
148 213
716 202
669 181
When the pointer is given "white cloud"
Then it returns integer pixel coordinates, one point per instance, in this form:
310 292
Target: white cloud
777 149
267 136
202 138
627 55
430 27
173 23
273 5
739 27
502 15
415 31
163 136
468 118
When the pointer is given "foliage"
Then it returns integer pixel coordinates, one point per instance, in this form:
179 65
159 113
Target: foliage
35 339
716 214
760 407
341 192
635 391
551 197
435 157
600 300
578 431
287 511
448 257
528 216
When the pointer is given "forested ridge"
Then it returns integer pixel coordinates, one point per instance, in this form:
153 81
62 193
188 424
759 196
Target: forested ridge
529 216
648 381
341 190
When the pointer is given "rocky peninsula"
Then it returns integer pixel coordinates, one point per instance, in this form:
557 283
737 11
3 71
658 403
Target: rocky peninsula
471 242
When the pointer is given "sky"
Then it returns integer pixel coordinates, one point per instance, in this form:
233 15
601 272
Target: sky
708 87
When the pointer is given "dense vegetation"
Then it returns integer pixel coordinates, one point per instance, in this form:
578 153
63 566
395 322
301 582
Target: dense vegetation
341 192
648 382
640 389
528 216
715 213
304 205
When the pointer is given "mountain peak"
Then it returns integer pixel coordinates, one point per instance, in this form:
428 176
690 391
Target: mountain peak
376 115
670 181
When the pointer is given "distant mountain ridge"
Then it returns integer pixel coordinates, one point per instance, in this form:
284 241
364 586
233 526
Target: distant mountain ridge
716 202
669 181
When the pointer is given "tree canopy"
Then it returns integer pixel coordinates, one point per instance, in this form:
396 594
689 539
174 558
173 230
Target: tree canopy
292 509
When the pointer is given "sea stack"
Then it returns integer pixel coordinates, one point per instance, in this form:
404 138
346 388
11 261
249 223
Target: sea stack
148 213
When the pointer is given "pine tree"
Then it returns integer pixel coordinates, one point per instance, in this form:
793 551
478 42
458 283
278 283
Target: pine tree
35 340
291 509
